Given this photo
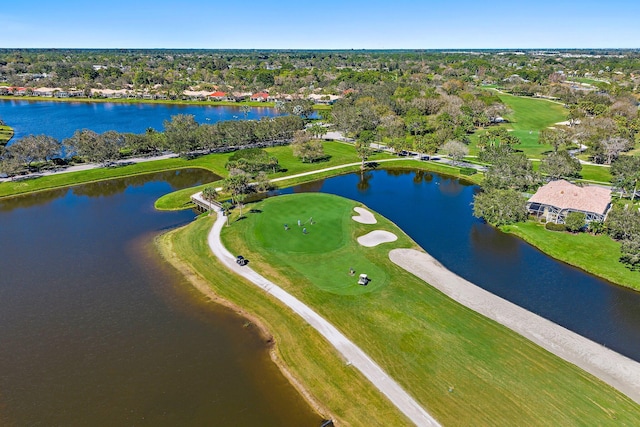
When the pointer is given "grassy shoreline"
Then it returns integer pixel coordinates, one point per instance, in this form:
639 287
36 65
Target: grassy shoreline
597 255
152 101
339 154
6 133
424 340
313 367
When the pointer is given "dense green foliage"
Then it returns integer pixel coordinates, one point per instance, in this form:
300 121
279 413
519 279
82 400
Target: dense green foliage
552 226
253 161
500 206
575 221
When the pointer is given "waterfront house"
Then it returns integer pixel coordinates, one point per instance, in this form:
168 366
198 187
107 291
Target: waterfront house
239 96
218 96
196 95
260 97
323 99
556 199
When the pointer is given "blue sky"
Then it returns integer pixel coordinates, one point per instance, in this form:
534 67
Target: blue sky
327 24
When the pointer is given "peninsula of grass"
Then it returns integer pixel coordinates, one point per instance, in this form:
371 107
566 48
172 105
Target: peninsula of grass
336 390
464 368
6 133
181 199
598 255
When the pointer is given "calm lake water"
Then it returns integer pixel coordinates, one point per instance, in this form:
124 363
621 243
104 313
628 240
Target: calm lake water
97 330
436 212
62 119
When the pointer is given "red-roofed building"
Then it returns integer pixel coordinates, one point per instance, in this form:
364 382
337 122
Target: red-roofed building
260 97
218 96
19 91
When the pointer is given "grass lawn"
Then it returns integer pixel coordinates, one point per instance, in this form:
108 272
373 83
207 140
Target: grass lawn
339 391
587 80
339 153
589 173
6 133
464 368
597 255
528 117
596 173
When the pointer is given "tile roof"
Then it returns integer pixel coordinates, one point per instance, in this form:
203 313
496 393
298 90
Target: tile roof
564 195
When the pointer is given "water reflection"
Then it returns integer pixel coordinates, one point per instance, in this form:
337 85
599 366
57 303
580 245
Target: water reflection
364 182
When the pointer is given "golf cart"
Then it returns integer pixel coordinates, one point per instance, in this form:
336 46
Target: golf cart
241 260
363 280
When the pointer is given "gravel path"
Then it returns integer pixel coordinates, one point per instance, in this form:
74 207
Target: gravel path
353 355
614 369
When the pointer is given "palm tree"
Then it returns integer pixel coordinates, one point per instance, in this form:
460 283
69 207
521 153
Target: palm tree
240 198
226 207
210 194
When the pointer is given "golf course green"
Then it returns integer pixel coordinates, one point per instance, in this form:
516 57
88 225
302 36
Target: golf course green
325 233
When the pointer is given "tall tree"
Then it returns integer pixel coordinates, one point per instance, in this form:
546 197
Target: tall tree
235 184
500 207
625 174
557 138
210 194
94 147
512 171
456 150
363 146
181 133
35 148
560 164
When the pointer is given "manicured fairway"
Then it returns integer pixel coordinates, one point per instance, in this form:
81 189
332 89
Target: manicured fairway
465 369
528 117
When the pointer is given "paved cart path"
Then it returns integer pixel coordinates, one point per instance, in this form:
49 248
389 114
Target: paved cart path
352 353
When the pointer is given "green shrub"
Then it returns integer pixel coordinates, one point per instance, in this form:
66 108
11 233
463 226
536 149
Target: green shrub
249 154
500 207
575 221
468 171
552 226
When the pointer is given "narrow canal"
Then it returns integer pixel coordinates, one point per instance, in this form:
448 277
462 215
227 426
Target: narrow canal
436 212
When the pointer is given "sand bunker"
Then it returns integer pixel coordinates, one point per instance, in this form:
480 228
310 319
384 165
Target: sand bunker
377 237
364 217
